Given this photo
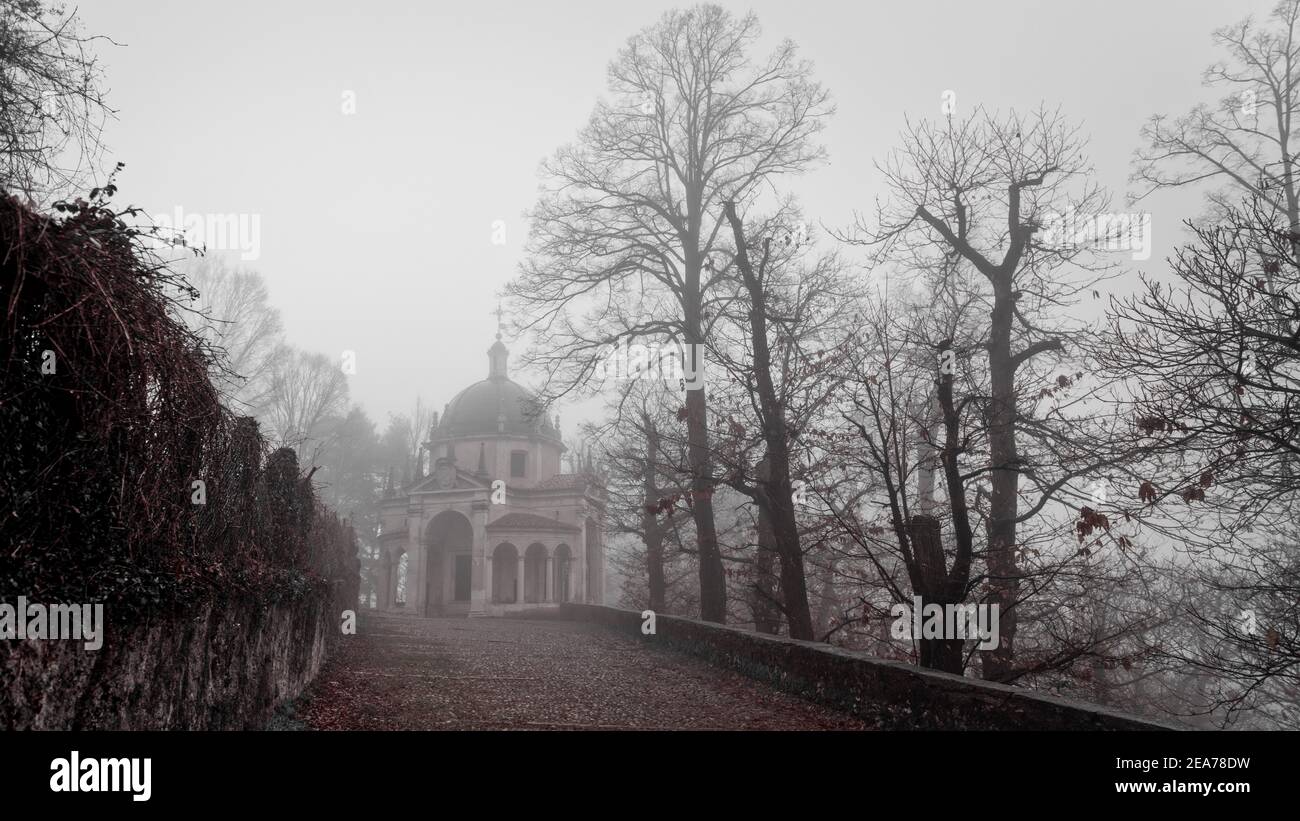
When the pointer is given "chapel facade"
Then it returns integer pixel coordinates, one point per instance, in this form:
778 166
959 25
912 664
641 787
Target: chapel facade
495 527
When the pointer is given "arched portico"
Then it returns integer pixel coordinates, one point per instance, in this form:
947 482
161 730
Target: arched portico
449 544
495 526
562 568
535 560
505 574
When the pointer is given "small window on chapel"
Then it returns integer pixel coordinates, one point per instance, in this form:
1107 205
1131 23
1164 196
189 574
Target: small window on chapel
518 463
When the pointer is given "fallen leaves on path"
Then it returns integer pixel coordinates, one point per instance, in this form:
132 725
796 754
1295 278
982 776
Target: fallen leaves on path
403 673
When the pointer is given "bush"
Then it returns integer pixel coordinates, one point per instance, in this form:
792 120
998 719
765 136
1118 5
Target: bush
109 422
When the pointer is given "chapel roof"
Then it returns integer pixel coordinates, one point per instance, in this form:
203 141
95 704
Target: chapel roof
496 405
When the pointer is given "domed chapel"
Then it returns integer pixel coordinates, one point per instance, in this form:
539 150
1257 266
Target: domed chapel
495 527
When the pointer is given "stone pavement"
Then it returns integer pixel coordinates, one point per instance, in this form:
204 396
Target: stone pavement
402 672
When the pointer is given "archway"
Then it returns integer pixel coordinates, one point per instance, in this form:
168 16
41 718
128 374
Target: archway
505 572
535 573
561 567
449 542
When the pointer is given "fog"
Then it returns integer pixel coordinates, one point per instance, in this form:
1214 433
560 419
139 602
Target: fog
377 227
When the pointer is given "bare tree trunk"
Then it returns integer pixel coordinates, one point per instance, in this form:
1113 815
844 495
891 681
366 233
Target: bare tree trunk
652 531
927 461
936 654
1004 575
827 601
1004 458
764 596
767 614
713 583
776 494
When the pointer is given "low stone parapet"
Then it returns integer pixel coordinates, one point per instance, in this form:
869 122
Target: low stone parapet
900 694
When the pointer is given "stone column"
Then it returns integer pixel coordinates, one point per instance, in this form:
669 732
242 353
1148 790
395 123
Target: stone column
519 581
579 575
598 595
415 581
550 593
395 567
480 594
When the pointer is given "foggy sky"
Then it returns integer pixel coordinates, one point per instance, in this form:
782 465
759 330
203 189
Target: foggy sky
376 228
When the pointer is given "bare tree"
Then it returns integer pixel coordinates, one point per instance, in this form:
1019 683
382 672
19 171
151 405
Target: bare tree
653 531
636 201
632 455
773 491
234 314
1214 359
969 196
420 435
1243 141
1213 354
52 109
306 391
643 474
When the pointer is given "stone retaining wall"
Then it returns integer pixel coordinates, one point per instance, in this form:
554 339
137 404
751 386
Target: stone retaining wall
902 694
227 665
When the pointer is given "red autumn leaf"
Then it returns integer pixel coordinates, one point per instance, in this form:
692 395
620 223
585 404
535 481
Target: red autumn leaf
1147 492
1150 424
1090 520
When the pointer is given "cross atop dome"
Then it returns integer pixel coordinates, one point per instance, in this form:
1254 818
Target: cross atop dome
498 353
497 356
